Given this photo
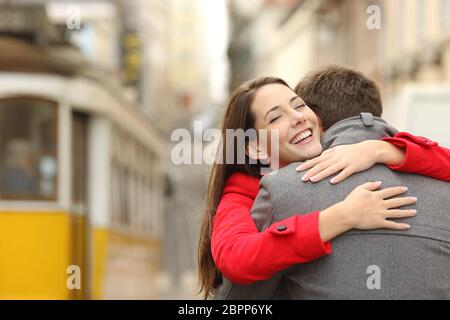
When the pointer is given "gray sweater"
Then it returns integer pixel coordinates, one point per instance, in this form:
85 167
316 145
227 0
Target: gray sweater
376 264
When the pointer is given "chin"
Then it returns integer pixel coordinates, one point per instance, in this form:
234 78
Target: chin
317 150
314 151
295 155
311 155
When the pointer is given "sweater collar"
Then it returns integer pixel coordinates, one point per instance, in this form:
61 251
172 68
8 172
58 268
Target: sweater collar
357 129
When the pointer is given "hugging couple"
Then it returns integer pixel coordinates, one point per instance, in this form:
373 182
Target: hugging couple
379 229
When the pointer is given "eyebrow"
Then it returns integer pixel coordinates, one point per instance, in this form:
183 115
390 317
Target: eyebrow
276 107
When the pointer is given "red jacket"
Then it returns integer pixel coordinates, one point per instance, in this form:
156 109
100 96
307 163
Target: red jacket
244 255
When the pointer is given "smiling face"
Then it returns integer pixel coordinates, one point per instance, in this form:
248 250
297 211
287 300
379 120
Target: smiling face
277 107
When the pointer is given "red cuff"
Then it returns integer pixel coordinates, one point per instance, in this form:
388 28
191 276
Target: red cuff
402 136
422 156
414 147
410 149
310 228
306 236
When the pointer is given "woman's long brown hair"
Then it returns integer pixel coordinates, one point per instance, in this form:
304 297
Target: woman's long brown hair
237 116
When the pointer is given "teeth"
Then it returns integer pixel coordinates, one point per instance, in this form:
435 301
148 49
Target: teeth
301 136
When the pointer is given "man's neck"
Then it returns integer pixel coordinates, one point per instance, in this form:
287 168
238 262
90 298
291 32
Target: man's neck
356 129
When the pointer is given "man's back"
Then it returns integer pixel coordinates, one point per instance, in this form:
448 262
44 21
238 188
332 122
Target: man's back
378 264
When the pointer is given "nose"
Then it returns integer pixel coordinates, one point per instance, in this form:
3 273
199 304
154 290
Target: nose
297 117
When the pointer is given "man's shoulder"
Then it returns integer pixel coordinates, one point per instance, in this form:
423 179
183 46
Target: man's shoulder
285 174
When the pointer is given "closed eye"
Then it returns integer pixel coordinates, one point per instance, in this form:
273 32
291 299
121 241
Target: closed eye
300 106
274 119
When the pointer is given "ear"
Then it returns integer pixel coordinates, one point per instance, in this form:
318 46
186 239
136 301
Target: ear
252 150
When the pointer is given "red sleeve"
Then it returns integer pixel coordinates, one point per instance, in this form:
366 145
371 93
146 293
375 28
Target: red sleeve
245 255
422 156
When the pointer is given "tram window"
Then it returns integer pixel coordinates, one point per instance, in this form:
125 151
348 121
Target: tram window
28 149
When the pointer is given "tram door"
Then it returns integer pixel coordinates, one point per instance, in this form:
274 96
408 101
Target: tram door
80 216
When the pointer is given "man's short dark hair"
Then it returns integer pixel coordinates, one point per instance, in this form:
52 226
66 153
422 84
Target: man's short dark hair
335 93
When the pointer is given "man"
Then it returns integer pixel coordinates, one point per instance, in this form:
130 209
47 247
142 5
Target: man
376 264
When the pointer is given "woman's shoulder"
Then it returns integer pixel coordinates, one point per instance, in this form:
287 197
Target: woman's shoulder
242 183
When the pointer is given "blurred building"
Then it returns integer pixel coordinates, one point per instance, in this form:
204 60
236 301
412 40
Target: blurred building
82 188
271 38
100 86
198 75
417 42
403 44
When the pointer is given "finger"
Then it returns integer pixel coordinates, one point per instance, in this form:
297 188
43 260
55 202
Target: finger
400 202
344 174
397 214
327 172
328 151
311 163
395 226
371 186
317 169
390 192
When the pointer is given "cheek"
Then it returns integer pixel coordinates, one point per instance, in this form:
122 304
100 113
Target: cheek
282 129
315 120
278 136
269 139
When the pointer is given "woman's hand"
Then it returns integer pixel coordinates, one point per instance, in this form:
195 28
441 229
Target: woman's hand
365 208
350 159
370 209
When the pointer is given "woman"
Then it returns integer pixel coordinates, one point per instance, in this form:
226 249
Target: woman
241 253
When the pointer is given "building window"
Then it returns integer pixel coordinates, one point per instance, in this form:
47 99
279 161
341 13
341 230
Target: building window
28 149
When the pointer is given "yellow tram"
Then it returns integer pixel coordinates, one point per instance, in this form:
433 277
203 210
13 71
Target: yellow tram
81 185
